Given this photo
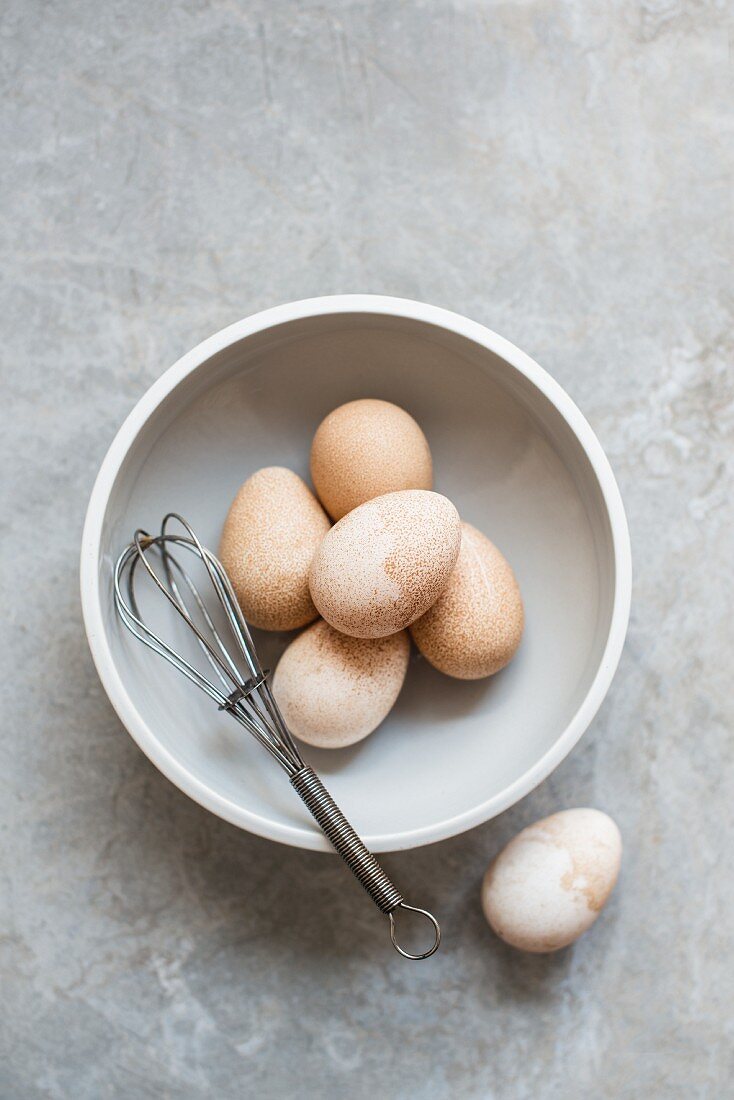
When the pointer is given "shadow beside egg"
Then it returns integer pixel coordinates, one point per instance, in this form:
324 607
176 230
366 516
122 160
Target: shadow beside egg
270 645
428 693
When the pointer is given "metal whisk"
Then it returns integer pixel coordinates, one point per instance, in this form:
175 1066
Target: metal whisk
243 691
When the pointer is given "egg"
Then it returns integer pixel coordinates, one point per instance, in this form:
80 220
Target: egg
364 449
549 884
334 690
270 535
384 564
475 626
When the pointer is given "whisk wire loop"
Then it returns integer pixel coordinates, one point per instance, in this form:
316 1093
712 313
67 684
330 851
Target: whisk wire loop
130 614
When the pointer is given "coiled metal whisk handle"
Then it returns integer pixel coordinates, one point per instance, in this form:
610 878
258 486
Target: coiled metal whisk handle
358 857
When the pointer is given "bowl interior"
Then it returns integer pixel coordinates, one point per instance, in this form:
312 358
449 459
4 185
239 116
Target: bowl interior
511 464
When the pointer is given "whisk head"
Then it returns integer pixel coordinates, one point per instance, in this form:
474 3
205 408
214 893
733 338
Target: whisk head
234 678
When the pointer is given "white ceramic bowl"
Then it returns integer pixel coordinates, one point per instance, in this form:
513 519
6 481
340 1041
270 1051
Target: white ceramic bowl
510 449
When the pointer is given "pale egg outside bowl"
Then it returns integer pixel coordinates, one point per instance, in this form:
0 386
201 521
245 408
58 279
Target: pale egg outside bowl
513 453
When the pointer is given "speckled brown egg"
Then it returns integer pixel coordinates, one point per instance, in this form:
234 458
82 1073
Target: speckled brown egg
270 535
549 884
334 690
384 564
475 626
364 449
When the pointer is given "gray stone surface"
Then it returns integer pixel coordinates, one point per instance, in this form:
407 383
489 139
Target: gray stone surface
557 170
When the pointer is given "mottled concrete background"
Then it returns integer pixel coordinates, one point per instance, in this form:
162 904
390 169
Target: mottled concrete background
557 170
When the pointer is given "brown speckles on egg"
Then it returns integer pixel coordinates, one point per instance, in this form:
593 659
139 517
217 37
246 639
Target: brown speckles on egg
271 533
588 836
364 449
475 626
386 562
334 690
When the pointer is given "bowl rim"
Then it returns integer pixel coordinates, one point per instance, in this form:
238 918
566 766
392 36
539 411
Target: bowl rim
91 597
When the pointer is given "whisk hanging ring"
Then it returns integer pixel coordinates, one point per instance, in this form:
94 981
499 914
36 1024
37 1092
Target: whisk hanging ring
246 696
436 931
